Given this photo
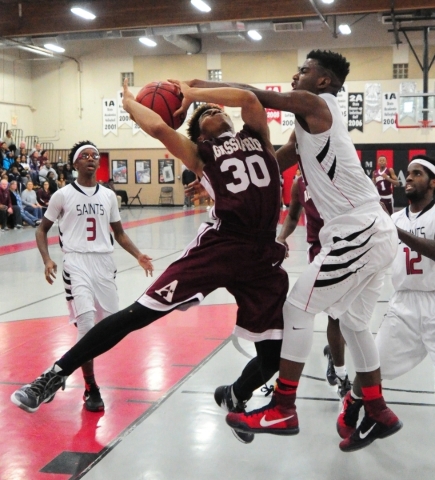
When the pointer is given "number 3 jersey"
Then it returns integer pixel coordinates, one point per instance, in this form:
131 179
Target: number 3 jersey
84 220
242 177
410 270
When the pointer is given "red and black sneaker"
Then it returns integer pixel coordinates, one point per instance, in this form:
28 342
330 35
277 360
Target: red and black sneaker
348 417
278 418
92 398
379 422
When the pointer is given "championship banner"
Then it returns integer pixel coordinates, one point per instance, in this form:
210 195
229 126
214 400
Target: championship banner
123 116
373 97
287 121
110 116
270 112
137 129
343 98
356 109
390 109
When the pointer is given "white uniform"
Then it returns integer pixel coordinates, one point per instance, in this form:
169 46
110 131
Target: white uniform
85 215
345 278
407 332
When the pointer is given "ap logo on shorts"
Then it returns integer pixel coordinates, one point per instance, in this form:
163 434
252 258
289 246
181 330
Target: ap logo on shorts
167 292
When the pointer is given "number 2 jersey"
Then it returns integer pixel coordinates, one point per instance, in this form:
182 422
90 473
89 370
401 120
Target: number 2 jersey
84 220
410 270
242 177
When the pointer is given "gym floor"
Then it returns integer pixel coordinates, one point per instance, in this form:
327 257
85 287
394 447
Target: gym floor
161 421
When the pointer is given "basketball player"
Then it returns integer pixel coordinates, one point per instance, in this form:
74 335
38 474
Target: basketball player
240 172
407 332
336 373
359 242
384 179
86 211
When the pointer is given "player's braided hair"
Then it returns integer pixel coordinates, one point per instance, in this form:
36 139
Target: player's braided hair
332 61
430 174
193 130
76 147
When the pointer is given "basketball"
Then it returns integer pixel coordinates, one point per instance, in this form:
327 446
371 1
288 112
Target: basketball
163 98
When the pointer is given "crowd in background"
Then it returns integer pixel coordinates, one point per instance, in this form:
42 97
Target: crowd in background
28 179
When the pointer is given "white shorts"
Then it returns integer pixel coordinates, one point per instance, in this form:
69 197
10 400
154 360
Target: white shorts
89 280
345 278
407 332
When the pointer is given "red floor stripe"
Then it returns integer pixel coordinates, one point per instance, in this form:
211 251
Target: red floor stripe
20 247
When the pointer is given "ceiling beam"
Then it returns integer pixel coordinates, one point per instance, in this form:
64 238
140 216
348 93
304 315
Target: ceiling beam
48 17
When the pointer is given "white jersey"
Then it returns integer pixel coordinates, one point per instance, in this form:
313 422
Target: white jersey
331 168
84 220
411 270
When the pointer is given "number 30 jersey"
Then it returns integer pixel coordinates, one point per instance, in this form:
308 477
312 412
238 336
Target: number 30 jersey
242 177
411 270
84 220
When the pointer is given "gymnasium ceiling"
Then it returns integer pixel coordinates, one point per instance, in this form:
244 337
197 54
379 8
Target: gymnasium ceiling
178 27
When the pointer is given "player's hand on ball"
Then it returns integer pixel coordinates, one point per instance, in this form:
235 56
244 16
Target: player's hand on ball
146 263
50 271
185 104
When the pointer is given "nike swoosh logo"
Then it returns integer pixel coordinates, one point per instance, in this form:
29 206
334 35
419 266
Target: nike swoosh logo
269 423
362 436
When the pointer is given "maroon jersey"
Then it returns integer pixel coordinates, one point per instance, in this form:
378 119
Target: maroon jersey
384 186
243 178
314 221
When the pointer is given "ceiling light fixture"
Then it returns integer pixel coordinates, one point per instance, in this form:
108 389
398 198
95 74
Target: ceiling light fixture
254 35
147 41
344 29
54 48
200 5
83 13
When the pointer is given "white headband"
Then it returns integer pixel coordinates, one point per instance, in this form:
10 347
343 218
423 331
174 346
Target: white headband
80 150
425 163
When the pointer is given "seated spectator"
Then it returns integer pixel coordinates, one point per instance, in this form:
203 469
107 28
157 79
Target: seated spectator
14 174
10 142
121 193
61 182
16 200
52 182
30 202
43 196
68 172
34 167
45 169
6 205
8 159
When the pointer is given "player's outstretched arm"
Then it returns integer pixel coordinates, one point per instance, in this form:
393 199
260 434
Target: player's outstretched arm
424 246
50 267
179 145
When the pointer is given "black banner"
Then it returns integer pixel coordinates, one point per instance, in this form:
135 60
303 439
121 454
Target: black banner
356 110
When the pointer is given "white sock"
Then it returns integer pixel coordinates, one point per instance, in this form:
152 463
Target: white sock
341 372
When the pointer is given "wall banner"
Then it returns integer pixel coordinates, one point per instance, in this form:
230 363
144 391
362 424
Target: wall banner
373 103
110 116
356 109
390 109
271 113
123 116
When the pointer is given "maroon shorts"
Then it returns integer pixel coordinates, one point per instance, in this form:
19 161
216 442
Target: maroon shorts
313 250
388 202
249 269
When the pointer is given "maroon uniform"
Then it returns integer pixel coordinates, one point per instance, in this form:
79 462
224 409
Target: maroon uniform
238 251
314 222
385 188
